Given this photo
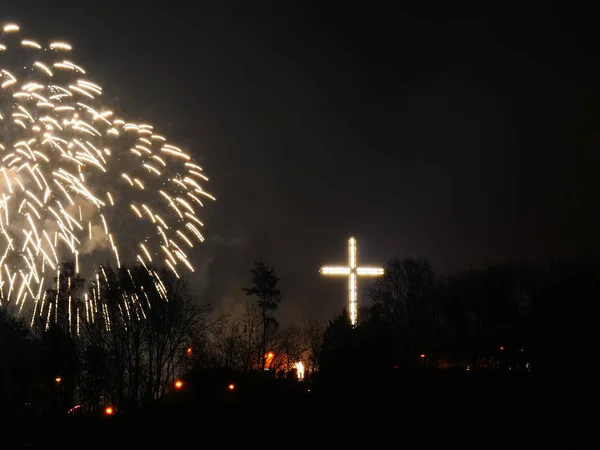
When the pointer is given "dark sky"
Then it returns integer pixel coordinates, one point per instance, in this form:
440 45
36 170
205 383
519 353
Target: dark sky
461 134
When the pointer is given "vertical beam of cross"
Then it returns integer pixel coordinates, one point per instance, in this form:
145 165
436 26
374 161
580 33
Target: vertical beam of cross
352 272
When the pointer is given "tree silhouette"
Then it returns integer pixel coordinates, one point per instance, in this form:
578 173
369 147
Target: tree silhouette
138 344
265 286
18 368
403 297
313 336
491 307
338 353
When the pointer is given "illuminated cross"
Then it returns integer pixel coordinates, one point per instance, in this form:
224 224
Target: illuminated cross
352 272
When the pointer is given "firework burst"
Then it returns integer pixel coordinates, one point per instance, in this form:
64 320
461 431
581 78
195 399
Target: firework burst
78 183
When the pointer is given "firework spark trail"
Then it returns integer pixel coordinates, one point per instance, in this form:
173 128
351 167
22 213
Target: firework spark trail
70 170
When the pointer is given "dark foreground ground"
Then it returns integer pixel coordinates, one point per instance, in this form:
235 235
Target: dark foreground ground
427 409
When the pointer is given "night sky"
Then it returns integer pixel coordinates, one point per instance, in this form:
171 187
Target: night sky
461 134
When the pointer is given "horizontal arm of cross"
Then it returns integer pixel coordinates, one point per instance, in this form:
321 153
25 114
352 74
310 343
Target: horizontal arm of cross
335 270
369 271
361 271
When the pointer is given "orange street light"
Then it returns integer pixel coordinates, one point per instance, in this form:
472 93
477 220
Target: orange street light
178 384
231 387
58 380
189 351
422 355
109 411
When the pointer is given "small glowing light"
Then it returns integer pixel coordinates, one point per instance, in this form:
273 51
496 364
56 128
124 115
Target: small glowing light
178 384
231 387
189 351
422 355
58 380
109 411
501 349
74 408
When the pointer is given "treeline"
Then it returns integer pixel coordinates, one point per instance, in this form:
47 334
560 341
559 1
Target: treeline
118 340
512 316
125 337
